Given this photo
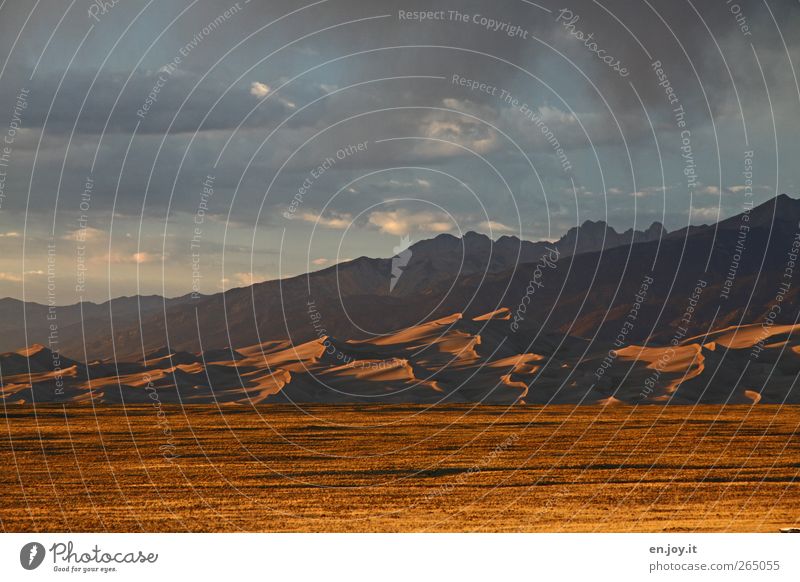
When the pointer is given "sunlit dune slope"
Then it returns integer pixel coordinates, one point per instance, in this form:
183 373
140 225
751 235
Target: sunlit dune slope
451 359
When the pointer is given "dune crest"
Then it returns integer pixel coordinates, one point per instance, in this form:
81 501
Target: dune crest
449 359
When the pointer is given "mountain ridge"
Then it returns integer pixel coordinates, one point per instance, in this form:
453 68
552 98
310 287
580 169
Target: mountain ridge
476 275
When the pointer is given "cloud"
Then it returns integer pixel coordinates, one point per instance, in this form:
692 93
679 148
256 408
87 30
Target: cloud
464 132
494 226
715 190
213 101
138 258
88 234
741 188
646 191
552 116
259 90
247 278
241 279
320 262
15 278
395 185
402 222
12 234
705 213
335 220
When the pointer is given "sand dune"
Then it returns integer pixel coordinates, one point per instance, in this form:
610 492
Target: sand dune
452 359
503 313
746 336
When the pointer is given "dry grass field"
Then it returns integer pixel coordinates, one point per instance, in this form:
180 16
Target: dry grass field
400 468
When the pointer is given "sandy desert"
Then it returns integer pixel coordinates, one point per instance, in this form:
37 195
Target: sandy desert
400 468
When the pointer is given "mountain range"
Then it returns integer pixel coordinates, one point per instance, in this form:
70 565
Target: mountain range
595 317
85 330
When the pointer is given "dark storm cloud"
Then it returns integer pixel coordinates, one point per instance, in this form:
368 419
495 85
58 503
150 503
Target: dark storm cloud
681 31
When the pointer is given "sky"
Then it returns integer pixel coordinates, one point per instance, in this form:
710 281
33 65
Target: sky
165 147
